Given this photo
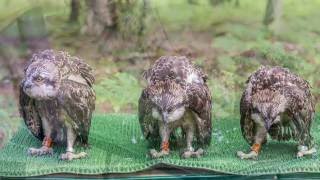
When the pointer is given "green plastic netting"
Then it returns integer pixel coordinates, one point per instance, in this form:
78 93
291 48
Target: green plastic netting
118 147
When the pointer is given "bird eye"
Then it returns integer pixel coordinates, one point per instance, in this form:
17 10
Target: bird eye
39 79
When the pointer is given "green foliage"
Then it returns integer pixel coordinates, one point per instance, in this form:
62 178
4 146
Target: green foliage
225 99
11 10
120 90
234 29
130 18
9 120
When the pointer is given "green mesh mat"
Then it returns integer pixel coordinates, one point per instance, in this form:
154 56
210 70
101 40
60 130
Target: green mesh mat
118 147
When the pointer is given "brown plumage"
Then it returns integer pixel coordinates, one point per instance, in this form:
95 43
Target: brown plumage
279 103
57 101
176 96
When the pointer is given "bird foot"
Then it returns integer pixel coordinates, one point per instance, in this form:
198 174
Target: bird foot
70 156
155 154
250 155
193 154
40 151
303 150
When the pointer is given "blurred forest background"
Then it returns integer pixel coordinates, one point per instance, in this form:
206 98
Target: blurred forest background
229 39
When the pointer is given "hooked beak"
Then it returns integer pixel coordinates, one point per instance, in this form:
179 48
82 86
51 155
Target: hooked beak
268 124
26 86
165 117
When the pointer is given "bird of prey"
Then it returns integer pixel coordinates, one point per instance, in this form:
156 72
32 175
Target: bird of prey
57 101
279 103
176 96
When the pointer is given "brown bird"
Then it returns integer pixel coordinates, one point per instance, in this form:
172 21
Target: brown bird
176 96
57 101
279 103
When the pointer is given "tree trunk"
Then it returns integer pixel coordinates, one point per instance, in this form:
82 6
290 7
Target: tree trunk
272 18
237 3
193 2
142 25
74 11
102 17
19 41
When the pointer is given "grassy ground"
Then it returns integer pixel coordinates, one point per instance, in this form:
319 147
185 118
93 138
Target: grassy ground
117 146
227 41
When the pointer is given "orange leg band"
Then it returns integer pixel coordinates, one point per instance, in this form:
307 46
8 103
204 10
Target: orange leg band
256 148
47 142
165 146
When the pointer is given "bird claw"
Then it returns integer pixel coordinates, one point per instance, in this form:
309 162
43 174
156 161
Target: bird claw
70 156
155 154
250 155
192 154
303 150
40 151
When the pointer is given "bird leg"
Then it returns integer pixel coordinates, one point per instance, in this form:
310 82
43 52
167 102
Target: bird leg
70 155
165 133
192 153
190 150
255 149
164 150
303 150
305 144
46 148
260 136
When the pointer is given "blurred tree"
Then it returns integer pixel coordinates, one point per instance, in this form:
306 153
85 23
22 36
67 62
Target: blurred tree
218 2
273 15
102 17
19 40
193 2
121 22
74 11
142 27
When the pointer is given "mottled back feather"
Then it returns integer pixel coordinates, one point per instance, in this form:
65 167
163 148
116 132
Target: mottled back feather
283 89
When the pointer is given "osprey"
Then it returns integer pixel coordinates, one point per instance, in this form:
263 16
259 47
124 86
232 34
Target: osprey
176 96
57 101
279 103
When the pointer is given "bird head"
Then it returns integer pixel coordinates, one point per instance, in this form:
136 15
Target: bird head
267 107
42 77
168 100
266 115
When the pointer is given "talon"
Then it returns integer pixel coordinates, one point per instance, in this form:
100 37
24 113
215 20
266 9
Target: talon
194 154
70 156
250 155
186 154
40 151
155 154
253 154
303 150
299 154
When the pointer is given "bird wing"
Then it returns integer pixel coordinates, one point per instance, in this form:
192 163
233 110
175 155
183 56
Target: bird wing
30 115
78 100
148 124
200 103
177 68
85 71
246 123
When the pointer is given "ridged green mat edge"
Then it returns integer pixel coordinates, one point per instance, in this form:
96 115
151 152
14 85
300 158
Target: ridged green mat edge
113 134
